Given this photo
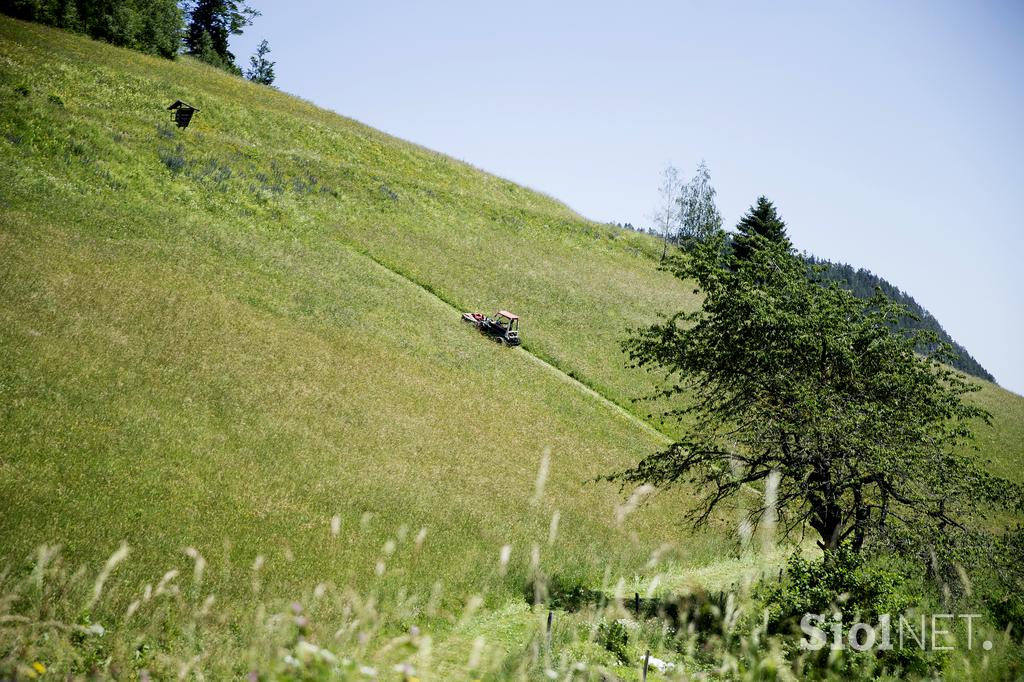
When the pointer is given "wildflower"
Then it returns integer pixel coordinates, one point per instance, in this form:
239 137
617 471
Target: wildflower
39 667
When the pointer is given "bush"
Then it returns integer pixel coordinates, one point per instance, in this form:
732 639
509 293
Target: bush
1008 612
861 592
845 583
570 593
613 637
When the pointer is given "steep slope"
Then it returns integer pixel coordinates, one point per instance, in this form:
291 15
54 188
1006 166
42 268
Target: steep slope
202 341
237 331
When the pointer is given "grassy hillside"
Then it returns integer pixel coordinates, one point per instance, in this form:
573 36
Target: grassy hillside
205 336
224 337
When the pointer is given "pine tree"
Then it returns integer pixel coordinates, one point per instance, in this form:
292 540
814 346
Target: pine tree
761 221
205 51
218 20
261 69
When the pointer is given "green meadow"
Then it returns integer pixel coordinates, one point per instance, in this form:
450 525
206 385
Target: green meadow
241 341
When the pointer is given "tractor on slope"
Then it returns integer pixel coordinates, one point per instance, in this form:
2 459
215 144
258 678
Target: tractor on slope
503 327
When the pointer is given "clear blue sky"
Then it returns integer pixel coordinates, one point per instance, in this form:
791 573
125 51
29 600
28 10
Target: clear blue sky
890 134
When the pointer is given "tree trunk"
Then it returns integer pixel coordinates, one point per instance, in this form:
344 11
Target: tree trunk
826 515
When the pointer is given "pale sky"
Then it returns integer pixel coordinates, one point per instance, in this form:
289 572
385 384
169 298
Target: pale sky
889 134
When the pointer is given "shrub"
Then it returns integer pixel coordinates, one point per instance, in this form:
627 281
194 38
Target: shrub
613 637
1008 612
845 583
861 591
570 593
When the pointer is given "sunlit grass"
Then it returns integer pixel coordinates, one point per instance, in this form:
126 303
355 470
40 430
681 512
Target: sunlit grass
197 352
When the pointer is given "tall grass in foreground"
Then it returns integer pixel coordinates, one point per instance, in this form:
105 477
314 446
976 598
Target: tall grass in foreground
58 621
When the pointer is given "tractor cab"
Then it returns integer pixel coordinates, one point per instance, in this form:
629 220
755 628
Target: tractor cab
508 326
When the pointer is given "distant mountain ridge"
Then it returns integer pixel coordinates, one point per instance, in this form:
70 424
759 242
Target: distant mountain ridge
862 282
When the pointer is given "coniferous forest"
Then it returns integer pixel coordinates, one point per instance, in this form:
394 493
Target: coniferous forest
862 283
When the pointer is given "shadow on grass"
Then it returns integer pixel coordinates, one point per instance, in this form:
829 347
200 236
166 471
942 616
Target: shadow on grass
700 610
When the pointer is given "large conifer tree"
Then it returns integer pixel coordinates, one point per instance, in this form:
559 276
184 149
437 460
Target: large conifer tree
211 23
762 220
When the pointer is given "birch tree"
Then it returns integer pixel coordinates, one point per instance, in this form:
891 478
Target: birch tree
666 217
698 215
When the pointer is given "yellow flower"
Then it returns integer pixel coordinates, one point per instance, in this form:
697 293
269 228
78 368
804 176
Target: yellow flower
39 667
